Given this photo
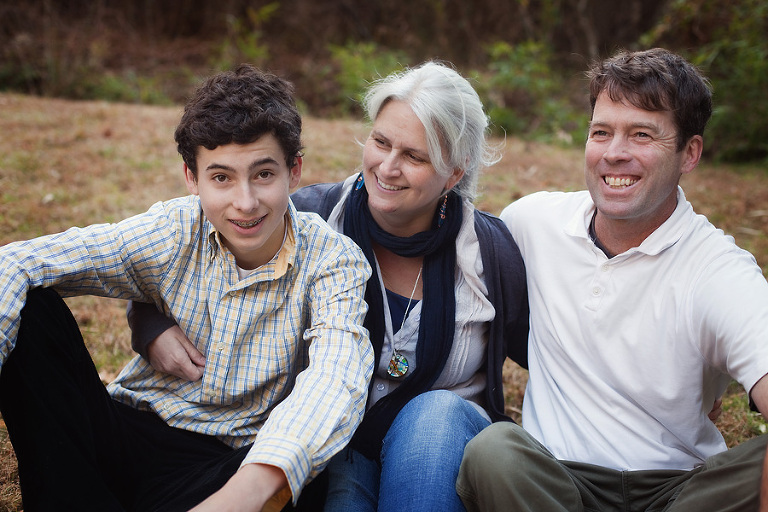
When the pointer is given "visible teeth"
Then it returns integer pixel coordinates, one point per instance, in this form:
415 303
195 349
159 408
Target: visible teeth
388 187
247 224
619 182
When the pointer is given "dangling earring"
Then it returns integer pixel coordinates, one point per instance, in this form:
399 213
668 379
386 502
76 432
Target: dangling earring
441 215
360 182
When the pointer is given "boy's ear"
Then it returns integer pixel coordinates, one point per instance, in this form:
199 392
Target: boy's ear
295 173
190 180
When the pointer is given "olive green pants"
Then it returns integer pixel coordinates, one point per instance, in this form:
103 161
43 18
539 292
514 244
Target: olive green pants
506 469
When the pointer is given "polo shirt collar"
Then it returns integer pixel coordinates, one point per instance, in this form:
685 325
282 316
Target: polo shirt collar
664 237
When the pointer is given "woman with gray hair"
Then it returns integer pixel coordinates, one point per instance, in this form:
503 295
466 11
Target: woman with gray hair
447 301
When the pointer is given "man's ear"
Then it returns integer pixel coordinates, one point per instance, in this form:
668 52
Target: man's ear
190 180
692 154
295 173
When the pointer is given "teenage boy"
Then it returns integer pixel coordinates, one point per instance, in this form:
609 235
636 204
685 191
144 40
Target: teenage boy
272 297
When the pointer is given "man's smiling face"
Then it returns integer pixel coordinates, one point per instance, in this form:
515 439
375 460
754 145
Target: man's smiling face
632 165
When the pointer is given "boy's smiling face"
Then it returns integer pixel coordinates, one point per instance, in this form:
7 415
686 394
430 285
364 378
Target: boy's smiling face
243 190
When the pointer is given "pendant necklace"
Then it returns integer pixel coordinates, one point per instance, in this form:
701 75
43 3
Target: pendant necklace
398 364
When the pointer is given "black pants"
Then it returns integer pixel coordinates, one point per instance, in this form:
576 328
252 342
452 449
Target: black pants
80 450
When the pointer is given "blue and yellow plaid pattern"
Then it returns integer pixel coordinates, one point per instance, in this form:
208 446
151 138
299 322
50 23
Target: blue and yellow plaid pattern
287 358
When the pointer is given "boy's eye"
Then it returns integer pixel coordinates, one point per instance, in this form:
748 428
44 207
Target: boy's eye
219 178
263 175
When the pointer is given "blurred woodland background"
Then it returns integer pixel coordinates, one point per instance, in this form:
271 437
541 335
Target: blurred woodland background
527 56
65 163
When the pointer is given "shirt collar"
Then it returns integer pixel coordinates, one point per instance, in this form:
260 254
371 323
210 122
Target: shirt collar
285 257
664 237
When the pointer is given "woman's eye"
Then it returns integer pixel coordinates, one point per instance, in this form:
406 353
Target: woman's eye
415 158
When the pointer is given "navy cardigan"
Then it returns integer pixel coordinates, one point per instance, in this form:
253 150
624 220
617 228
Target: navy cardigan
504 276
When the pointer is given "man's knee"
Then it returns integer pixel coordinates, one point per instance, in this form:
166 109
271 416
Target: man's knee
489 451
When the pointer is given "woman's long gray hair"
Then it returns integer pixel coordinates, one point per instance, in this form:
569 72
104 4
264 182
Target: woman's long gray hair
452 114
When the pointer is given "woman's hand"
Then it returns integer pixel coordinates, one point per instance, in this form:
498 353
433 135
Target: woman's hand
172 352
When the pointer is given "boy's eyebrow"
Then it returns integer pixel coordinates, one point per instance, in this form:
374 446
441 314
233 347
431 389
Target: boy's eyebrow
253 165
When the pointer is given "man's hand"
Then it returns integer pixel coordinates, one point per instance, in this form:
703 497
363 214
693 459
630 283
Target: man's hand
247 491
717 410
173 353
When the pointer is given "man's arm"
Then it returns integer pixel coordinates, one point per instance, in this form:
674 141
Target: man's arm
759 396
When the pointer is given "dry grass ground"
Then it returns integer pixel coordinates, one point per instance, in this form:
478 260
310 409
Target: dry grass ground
66 163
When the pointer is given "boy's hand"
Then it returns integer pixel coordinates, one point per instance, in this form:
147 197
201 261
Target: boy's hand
247 491
172 352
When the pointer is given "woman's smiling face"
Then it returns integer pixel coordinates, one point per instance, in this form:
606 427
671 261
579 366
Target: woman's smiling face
403 187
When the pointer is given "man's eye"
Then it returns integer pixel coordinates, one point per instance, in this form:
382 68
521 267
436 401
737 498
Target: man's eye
219 178
263 175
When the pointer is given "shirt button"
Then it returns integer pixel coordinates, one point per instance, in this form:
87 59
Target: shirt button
595 291
606 268
380 386
232 294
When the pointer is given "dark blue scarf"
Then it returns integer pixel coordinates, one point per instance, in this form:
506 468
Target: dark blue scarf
438 313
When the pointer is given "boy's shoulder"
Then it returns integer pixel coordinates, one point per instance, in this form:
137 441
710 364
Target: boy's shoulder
318 242
311 228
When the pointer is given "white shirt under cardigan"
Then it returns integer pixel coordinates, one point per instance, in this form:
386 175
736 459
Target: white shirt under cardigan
464 371
628 354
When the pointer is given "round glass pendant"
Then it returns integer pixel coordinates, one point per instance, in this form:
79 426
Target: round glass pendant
398 365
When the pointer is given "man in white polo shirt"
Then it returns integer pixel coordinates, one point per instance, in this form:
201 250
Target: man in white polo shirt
641 314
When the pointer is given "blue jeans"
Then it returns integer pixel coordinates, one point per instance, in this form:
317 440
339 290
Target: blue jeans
420 460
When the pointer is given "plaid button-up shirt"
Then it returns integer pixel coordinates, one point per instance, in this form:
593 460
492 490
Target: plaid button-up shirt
287 359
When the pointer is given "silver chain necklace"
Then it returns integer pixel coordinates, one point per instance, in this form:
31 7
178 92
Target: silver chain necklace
398 364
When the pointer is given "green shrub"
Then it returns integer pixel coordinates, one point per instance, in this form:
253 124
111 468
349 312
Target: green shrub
356 66
243 42
730 45
524 95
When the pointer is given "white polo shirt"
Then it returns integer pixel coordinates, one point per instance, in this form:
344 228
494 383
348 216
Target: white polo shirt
627 355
